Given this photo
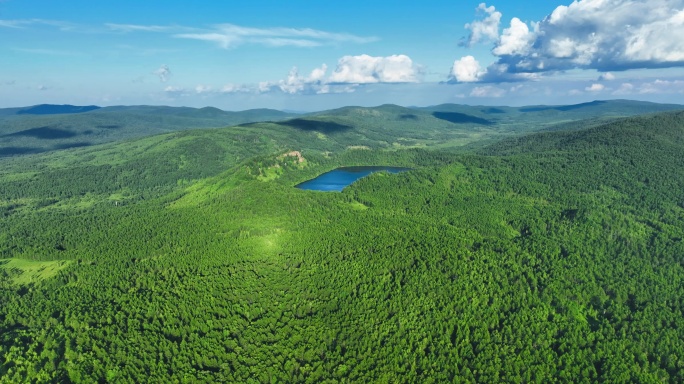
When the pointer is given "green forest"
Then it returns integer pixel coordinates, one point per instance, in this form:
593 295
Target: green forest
554 256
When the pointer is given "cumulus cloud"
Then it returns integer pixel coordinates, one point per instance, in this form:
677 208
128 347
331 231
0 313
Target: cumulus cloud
596 87
163 72
350 73
606 77
486 29
515 40
230 36
365 69
314 83
625 89
467 70
606 35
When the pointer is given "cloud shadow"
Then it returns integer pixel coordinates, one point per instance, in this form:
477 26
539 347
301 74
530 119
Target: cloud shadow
461 118
326 127
44 133
15 151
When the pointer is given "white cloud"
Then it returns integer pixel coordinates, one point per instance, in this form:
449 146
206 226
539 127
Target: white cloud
653 87
199 89
230 36
138 28
263 87
163 72
365 69
14 23
235 88
175 91
466 70
486 29
23 23
606 35
319 73
515 40
596 87
487 91
350 73
298 84
662 86
606 77
625 89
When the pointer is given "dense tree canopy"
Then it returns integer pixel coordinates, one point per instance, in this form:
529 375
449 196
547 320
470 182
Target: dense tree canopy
555 257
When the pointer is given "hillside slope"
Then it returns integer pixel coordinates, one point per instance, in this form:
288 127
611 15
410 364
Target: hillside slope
554 257
25 131
49 128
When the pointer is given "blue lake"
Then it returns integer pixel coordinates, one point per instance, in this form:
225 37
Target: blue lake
337 179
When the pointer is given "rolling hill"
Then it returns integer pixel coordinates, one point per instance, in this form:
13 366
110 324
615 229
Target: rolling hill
553 256
44 128
48 127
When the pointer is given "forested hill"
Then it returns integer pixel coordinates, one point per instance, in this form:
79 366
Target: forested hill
30 130
641 134
637 156
190 256
45 128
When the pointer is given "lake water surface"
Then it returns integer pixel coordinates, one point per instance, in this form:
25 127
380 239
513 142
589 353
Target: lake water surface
339 178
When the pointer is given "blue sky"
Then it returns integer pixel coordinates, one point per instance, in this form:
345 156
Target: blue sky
304 55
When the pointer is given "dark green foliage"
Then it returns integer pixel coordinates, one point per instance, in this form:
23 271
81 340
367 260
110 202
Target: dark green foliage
455 117
556 257
53 127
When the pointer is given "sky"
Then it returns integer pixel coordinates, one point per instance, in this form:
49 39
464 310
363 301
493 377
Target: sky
302 55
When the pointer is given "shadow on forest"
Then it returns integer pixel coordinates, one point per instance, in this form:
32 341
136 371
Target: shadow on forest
72 145
326 127
45 133
455 117
14 151
18 151
408 116
491 111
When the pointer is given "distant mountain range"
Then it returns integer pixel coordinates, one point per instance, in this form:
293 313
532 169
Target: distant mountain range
47 127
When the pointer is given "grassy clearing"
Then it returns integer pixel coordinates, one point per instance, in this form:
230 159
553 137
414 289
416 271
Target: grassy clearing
24 272
358 206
